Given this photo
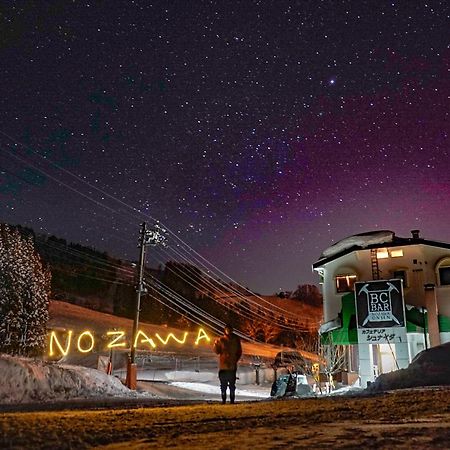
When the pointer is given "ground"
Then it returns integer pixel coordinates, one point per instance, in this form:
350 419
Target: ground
417 418
53 406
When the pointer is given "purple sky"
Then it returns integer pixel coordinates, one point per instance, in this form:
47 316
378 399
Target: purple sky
261 132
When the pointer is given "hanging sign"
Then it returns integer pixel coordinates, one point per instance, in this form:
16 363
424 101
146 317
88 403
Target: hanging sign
380 312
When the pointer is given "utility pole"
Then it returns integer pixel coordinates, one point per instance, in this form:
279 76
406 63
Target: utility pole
140 288
147 237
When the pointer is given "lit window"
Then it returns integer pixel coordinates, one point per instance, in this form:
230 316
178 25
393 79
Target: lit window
383 253
345 283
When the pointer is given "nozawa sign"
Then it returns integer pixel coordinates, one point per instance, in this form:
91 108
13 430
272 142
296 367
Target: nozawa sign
85 341
380 311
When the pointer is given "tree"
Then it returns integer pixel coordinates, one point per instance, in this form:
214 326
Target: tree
332 355
308 341
24 290
260 330
308 294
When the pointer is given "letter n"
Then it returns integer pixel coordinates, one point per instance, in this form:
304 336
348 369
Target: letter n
54 339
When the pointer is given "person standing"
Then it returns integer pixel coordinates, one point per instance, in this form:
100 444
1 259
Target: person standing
229 349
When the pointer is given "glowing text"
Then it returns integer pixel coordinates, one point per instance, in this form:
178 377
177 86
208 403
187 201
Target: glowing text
85 342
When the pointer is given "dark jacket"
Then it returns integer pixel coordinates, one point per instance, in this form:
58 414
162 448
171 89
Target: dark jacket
229 350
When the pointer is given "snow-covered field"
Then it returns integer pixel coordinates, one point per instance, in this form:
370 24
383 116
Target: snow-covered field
72 317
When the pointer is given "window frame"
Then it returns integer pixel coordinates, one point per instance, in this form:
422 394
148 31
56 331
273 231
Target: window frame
447 268
347 277
405 279
443 264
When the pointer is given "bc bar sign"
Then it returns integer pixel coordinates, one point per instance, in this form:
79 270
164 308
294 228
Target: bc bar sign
380 311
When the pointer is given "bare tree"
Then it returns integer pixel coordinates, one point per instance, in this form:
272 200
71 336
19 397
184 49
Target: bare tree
308 342
333 356
261 331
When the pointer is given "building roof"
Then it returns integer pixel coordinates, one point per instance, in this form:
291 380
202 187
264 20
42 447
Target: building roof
369 240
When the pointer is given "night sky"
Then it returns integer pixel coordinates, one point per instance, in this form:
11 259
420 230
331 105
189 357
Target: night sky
260 132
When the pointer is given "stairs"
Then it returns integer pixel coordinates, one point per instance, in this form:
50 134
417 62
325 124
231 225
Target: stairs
374 261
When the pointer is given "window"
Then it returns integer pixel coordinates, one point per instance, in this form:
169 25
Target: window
443 272
383 253
345 283
444 276
401 274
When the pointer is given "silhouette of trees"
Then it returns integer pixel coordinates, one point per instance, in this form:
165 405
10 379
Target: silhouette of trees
309 294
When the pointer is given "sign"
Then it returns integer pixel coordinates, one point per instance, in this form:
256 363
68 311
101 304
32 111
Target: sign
380 312
85 342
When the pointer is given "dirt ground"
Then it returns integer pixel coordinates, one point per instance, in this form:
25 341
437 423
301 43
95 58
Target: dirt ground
414 418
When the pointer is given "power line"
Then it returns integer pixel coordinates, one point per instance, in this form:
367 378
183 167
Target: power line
203 260
226 290
241 308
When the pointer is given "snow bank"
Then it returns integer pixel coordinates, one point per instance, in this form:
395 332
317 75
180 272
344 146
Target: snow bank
429 368
24 380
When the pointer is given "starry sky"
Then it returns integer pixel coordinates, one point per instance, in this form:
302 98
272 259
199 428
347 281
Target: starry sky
260 132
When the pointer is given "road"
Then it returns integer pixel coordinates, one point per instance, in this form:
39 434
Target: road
417 418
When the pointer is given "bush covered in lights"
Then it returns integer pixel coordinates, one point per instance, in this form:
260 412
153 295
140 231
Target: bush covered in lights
24 289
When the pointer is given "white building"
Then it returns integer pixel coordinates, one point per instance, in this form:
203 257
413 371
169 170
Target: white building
424 267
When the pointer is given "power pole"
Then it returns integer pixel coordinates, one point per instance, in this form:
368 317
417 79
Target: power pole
139 289
147 237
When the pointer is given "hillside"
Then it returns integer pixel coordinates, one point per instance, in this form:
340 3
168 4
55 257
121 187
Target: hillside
308 316
86 277
65 316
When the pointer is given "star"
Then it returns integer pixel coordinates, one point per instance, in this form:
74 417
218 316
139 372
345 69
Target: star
278 137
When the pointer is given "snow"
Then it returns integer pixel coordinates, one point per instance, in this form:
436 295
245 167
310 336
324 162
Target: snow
183 375
429 368
346 390
362 240
25 380
215 389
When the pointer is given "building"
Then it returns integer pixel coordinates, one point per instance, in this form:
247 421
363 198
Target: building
422 265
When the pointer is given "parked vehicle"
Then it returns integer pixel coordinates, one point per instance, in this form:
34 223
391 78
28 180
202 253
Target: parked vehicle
293 384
